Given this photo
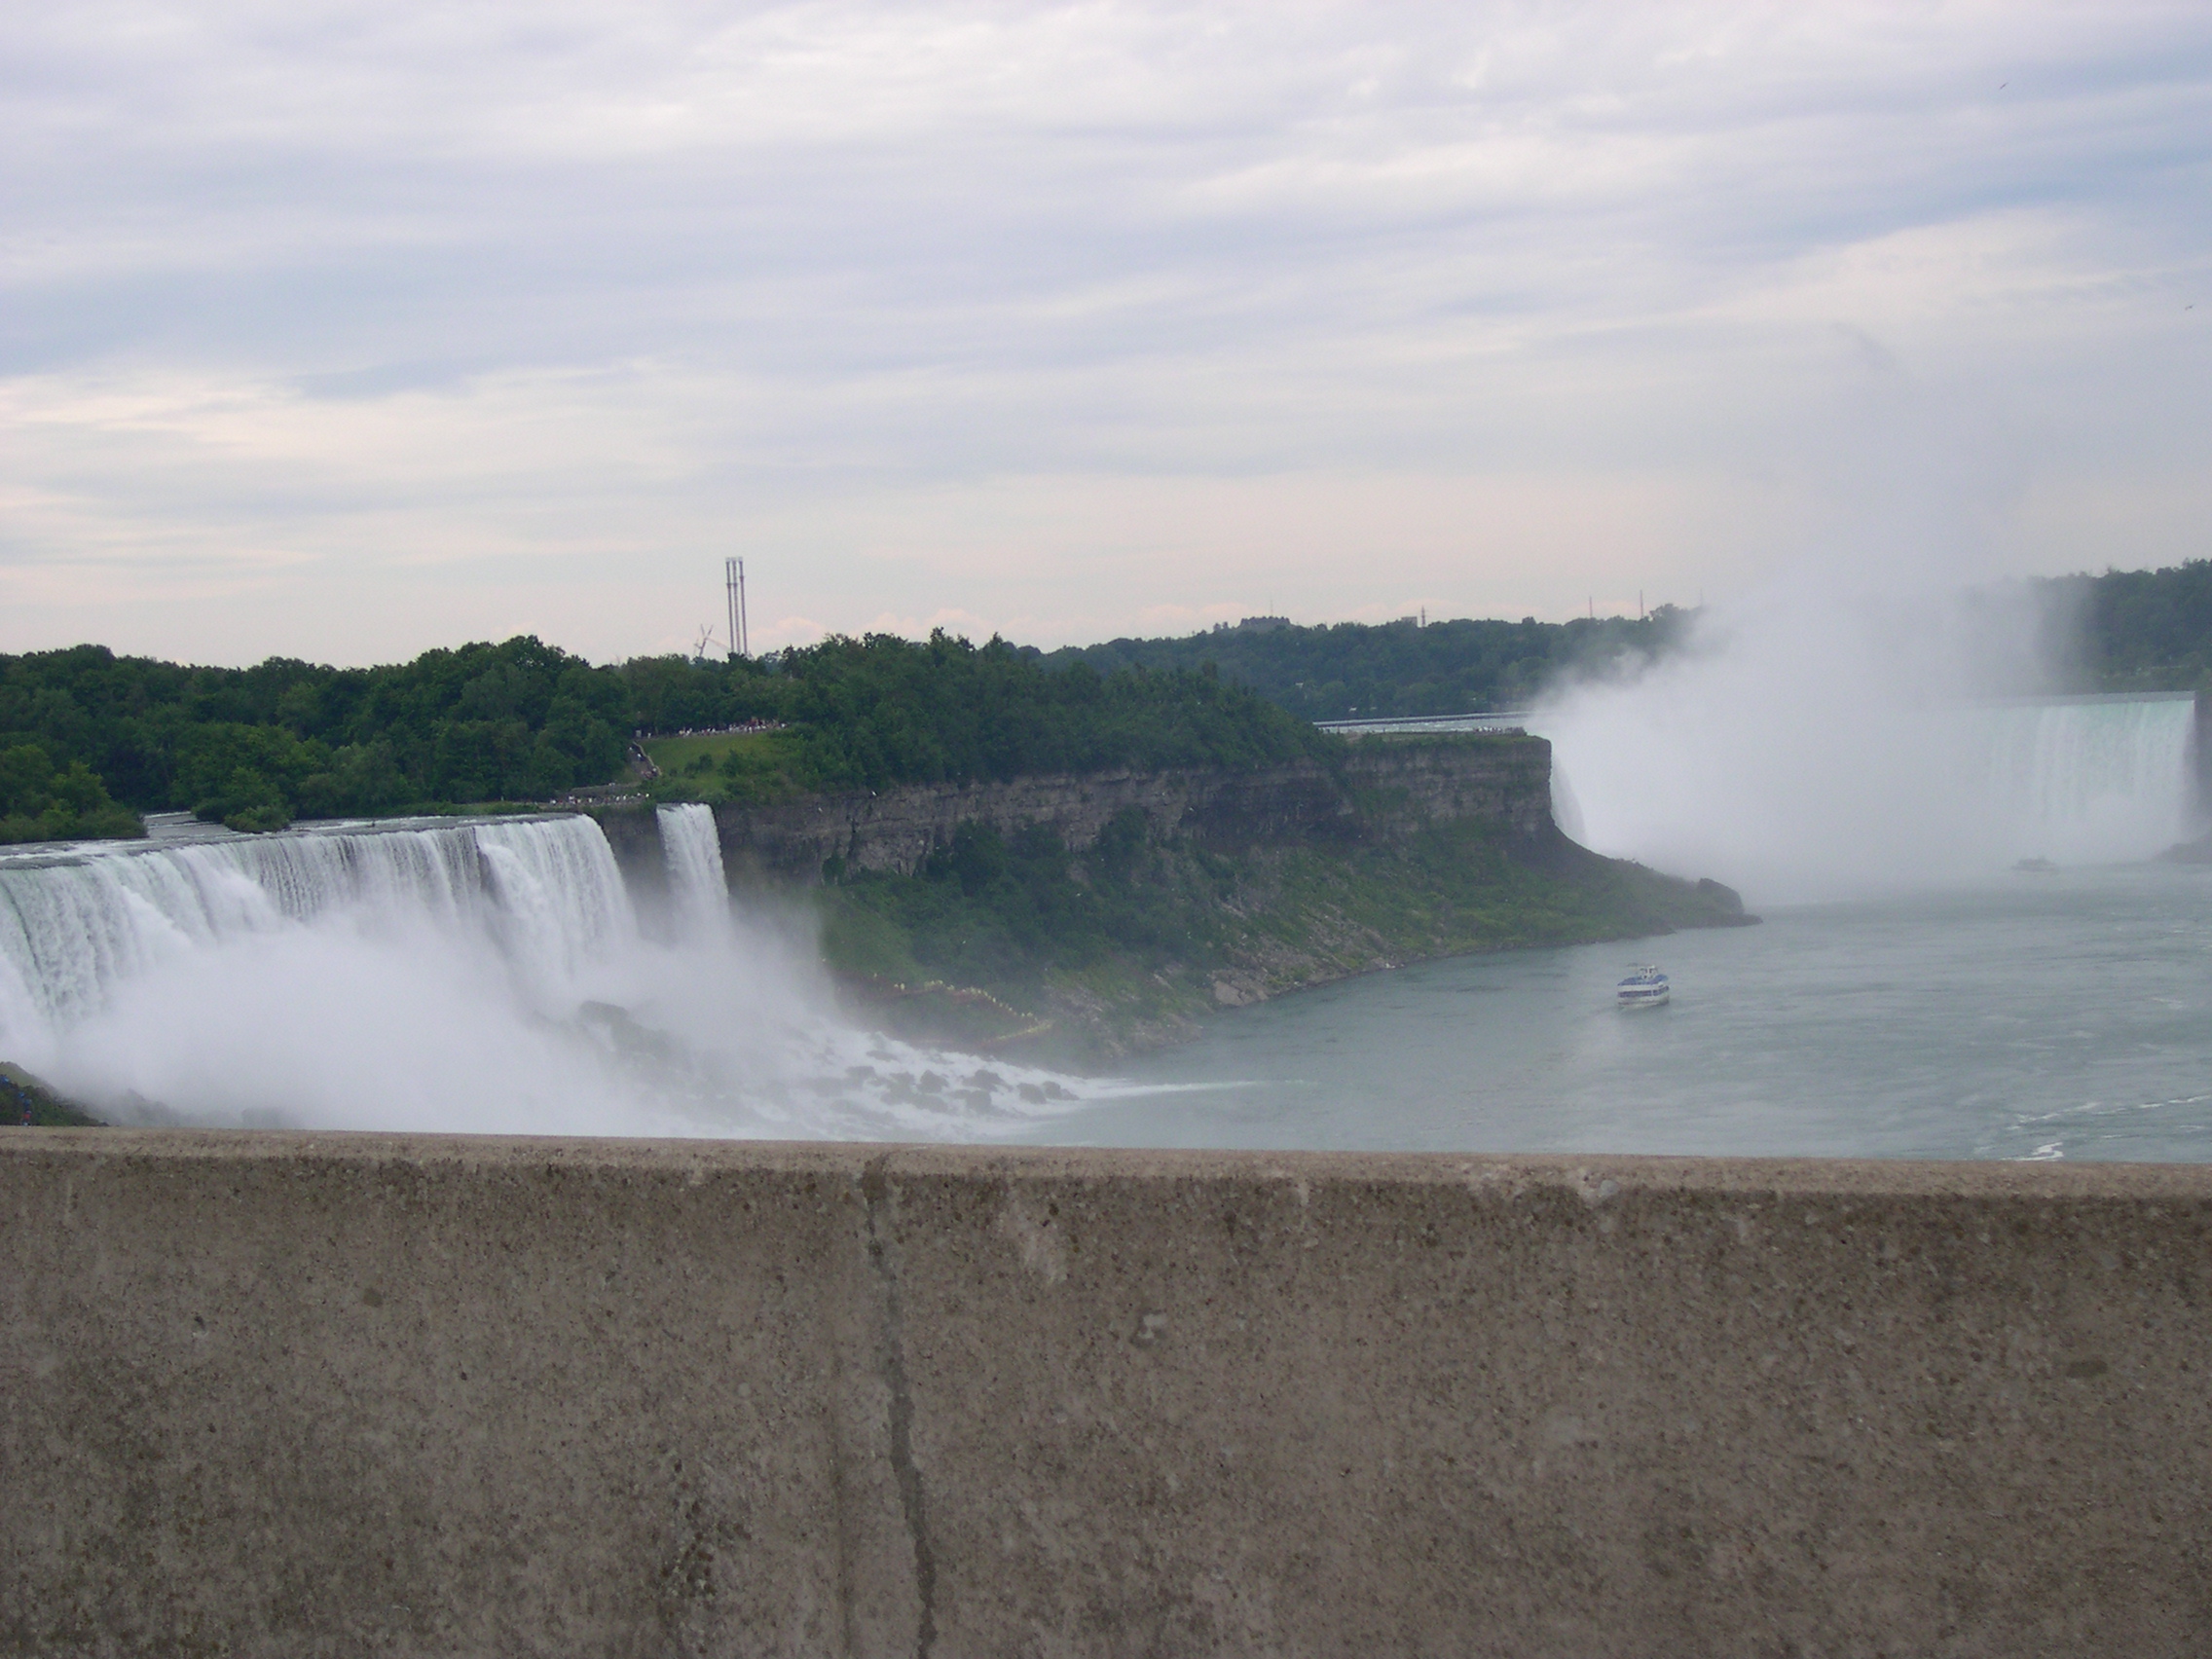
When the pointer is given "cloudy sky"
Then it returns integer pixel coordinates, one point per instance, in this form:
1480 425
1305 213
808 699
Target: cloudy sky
341 331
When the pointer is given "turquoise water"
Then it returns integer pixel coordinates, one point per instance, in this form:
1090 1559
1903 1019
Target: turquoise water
2063 1016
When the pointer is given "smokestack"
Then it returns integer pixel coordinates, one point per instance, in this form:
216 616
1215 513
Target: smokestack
733 585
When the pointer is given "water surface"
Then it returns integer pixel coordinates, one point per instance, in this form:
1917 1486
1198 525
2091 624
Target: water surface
2060 1015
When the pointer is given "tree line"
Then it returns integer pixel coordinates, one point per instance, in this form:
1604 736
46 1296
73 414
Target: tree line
89 740
2138 630
256 747
1356 669
2121 630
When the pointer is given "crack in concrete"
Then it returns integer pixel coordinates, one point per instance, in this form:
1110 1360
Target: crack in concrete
875 1192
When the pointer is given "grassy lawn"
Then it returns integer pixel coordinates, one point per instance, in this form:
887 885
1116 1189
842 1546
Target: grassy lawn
751 767
49 1110
678 754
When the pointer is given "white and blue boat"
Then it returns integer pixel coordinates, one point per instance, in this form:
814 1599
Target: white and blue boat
1644 987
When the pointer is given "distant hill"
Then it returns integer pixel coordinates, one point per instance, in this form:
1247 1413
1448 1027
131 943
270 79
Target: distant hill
1354 670
2121 630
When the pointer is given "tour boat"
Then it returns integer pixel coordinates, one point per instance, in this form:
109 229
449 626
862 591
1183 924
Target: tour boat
1644 987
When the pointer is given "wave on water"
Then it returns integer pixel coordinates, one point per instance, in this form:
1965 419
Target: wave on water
2104 1129
484 976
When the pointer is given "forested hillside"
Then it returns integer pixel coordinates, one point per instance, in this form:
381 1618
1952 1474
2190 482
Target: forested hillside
1354 670
2130 630
88 739
2141 630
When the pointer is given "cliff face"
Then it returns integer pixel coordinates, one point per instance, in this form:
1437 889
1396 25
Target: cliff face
1244 885
1382 792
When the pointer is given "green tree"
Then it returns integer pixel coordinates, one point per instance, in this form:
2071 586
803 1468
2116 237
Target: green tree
40 801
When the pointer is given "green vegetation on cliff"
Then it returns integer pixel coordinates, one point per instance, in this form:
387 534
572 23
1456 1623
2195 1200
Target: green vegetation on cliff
19 1090
1350 670
2139 630
1128 942
89 738
866 714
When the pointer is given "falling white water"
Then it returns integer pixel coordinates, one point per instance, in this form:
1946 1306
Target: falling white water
1803 790
693 850
75 922
446 975
2084 779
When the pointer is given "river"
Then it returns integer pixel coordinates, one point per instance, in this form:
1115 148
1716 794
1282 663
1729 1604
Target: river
2045 1015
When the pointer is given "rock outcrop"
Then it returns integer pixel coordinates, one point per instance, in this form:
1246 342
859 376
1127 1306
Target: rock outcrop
1380 790
1242 885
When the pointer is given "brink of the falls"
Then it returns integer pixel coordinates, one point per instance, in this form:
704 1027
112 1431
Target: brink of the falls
451 976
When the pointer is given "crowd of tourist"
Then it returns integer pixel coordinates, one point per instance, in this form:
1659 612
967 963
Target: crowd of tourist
741 729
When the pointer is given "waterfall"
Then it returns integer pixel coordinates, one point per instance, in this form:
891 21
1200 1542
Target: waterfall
561 898
1778 786
2092 777
76 923
696 883
438 975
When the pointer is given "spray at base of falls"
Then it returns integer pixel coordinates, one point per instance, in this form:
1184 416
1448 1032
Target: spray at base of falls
1876 800
1820 749
434 976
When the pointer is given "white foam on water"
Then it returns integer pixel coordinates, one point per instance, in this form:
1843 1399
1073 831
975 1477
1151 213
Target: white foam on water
484 976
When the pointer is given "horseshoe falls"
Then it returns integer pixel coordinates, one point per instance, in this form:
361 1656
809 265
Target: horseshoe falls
2091 779
440 974
1794 796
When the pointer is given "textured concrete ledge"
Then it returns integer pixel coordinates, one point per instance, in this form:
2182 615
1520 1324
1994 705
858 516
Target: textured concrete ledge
284 1394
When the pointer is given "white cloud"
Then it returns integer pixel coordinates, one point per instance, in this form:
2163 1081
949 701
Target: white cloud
348 331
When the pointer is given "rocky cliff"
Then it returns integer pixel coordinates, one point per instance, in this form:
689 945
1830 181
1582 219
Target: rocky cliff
1160 896
1380 791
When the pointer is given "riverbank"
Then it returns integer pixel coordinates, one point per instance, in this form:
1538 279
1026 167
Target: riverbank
1089 957
49 1110
1079 918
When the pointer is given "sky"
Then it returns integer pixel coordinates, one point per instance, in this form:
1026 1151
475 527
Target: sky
344 331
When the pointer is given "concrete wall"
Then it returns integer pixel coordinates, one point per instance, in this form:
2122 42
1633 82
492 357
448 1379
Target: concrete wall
1381 789
350 1394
